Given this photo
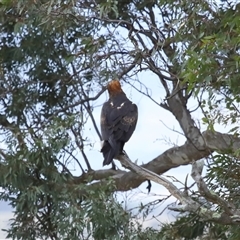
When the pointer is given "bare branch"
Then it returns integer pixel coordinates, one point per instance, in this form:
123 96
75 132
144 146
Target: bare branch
188 204
178 156
149 175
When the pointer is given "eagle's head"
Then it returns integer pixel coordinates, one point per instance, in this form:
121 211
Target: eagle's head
114 88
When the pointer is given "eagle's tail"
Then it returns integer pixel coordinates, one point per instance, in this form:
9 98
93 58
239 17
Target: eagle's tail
109 152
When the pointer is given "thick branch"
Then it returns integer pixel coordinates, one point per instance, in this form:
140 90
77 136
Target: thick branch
173 157
177 106
178 156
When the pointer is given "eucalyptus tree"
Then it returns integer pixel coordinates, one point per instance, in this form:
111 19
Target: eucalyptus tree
56 58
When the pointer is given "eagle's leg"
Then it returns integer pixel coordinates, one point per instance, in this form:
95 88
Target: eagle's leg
114 166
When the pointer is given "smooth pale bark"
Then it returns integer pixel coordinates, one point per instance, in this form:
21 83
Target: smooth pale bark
173 157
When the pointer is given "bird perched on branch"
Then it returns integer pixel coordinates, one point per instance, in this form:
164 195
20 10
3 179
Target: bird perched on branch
118 121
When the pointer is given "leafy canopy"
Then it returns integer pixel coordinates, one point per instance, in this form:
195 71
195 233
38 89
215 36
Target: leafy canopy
55 58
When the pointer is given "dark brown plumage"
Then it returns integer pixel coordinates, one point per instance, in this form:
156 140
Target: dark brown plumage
118 121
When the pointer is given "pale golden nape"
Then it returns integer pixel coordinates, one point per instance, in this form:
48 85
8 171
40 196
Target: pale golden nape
114 87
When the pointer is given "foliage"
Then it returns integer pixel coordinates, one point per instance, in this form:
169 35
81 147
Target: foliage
68 216
190 227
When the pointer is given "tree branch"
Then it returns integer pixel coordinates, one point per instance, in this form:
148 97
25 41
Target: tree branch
210 196
230 216
173 157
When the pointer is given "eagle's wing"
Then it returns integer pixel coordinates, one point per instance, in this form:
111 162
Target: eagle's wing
118 120
125 123
104 121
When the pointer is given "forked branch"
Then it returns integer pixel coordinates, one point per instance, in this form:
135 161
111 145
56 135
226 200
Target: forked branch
188 204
